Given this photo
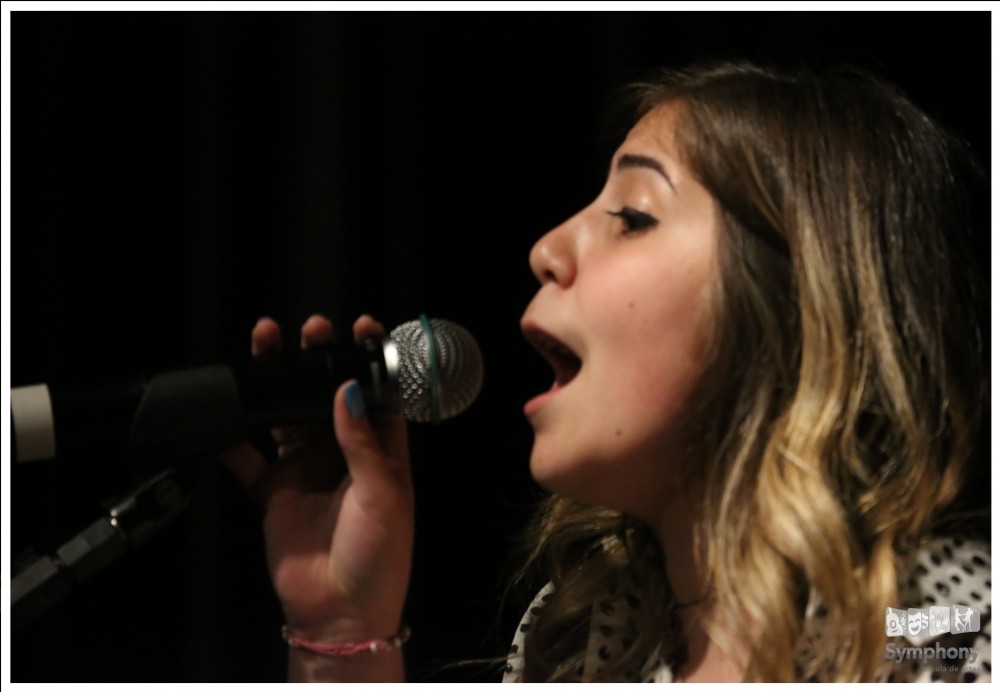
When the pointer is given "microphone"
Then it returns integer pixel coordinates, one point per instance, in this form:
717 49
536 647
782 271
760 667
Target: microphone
426 369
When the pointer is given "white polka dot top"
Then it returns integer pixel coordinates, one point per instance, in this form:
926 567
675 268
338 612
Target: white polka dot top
940 632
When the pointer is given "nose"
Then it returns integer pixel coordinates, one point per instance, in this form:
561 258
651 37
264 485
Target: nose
552 258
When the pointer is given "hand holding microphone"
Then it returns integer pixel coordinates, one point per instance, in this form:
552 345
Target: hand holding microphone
338 510
339 544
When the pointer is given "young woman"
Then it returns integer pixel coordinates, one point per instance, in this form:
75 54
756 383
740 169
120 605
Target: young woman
770 383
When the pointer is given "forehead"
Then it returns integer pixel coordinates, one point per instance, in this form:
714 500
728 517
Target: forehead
655 133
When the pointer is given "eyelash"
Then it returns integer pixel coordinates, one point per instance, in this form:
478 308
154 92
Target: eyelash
635 221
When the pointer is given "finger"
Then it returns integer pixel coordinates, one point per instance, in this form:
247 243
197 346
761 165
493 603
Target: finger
244 462
290 436
365 327
316 330
390 428
373 471
265 339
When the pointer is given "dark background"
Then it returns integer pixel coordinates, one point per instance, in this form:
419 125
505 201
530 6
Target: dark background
177 175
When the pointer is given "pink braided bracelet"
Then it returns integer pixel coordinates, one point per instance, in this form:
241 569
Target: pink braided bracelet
372 646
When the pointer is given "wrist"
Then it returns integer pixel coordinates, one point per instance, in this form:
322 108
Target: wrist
377 659
342 629
341 648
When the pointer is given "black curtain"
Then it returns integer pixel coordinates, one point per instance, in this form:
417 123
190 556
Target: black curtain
175 176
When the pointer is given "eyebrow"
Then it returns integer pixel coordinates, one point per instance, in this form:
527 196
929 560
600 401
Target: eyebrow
640 161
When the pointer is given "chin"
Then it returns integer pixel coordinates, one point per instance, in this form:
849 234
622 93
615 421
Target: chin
568 476
641 490
543 468
552 471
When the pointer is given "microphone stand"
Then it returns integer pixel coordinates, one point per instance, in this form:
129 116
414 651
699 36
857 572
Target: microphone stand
129 523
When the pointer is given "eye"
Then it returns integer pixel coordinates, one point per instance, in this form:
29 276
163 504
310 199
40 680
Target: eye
635 221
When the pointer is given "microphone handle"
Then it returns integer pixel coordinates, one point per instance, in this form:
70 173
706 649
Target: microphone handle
189 413
299 389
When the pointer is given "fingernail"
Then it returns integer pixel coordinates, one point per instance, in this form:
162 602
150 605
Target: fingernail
355 402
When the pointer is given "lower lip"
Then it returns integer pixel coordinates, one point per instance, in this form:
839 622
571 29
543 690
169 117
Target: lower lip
535 405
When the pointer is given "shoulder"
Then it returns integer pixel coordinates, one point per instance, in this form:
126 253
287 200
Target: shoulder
514 669
612 629
941 629
948 569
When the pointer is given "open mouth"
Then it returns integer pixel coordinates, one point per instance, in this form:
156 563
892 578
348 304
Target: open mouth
561 357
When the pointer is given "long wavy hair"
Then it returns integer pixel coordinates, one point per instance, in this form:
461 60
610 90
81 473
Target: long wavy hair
841 411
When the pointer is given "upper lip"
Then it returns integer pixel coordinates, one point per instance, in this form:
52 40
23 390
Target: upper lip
563 359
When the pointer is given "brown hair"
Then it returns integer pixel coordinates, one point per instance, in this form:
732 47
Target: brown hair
843 404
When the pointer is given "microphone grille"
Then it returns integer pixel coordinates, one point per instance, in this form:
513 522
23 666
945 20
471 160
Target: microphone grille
438 377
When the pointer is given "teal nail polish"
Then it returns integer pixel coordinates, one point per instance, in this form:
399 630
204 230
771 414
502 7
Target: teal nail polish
354 400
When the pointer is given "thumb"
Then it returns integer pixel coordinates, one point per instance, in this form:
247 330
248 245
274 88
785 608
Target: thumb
374 471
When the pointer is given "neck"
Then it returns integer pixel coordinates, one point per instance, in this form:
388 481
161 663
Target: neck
685 565
676 532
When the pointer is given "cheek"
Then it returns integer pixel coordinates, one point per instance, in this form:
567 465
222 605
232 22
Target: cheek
656 318
655 331
646 326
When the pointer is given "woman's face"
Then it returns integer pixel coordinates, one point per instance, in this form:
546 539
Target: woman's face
623 313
